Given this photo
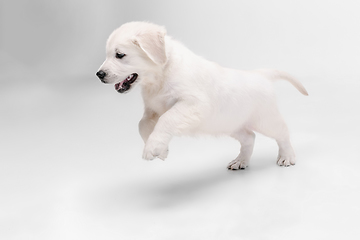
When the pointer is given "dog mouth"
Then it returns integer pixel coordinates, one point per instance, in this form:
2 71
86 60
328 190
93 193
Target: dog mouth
125 85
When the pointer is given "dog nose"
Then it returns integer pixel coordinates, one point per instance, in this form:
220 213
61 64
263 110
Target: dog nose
101 74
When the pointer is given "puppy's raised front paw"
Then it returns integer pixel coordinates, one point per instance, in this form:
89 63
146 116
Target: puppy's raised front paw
147 155
153 150
164 154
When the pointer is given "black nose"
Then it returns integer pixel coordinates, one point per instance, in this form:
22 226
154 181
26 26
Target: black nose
101 74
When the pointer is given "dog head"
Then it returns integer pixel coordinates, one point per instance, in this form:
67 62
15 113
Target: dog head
133 52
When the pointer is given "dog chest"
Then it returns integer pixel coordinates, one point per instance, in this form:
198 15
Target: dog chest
159 103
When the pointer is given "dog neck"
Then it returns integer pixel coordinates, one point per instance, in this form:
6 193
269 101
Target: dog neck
152 82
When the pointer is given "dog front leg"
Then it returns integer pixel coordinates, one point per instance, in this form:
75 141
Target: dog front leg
173 122
147 124
146 127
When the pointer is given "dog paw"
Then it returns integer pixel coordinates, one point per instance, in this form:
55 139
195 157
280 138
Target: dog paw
164 154
147 155
238 164
286 161
153 150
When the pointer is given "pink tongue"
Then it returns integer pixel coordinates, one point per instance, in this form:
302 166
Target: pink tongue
118 85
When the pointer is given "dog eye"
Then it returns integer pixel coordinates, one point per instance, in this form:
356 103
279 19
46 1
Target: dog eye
120 55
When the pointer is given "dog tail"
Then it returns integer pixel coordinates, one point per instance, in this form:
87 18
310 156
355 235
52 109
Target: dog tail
275 75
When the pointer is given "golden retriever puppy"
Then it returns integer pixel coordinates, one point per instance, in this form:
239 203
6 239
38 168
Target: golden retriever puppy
185 94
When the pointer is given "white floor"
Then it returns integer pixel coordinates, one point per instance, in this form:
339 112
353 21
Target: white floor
71 168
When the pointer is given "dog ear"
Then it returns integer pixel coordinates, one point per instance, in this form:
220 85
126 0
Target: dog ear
153 44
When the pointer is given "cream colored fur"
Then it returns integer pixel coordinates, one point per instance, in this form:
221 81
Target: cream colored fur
184 94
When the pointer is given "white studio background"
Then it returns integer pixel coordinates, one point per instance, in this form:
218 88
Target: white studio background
305 37
70 153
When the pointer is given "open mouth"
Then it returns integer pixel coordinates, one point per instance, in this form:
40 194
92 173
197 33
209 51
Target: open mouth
125 85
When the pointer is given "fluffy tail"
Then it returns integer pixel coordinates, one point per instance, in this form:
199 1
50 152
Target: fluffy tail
275 75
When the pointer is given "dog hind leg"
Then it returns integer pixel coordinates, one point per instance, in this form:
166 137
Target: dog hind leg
275 127
246 139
